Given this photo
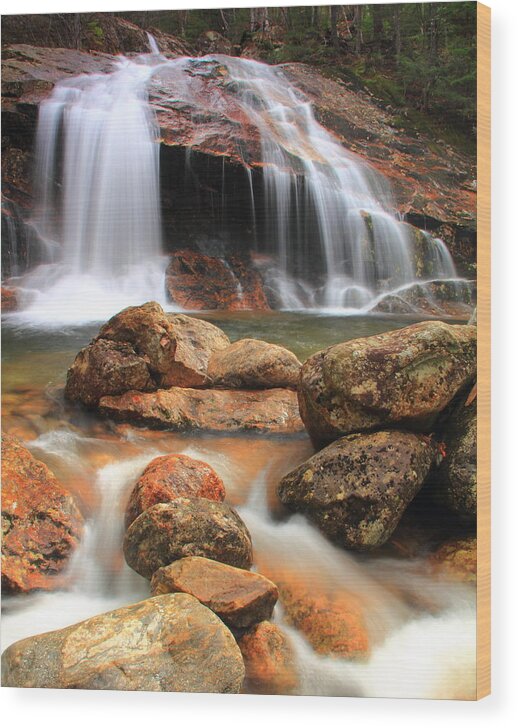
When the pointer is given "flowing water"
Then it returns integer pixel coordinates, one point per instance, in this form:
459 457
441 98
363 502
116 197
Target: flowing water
421 628
98 216
99 227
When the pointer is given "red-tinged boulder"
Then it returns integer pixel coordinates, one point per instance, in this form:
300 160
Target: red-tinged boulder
333 623
210 410
9 300
41 523
240 598
270 661
187 527
254 364
201 282
405 377
170 643
456 560
106 367
173 476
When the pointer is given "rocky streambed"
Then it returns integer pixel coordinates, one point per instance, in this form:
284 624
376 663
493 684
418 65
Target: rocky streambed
166 514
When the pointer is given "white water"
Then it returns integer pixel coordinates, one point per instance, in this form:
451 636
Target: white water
98 216
414 654
98 213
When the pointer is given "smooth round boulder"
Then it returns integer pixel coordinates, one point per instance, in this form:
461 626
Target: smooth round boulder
169 643
357 488
240 598
254 364
187 527
270 662
106 368
404 377
41 522
173 476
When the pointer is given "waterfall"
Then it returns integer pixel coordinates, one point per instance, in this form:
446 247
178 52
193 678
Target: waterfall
98 193
365 248
326 219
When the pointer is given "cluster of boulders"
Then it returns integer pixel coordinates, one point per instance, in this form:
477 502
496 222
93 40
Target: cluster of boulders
206 627
41 522
178 372
387 408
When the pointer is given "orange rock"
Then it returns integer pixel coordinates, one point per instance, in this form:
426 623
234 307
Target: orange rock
173 476
217 410
456 560
9 300
332 621
240 598
269 661
200 282
254 364
41 523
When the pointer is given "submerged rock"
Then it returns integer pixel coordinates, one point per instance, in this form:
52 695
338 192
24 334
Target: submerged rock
333 624
41 523
196 281
254 364
106 368
240 598
270 662
187 527
173 476
404 377
456 560
357 489
167 643
179 409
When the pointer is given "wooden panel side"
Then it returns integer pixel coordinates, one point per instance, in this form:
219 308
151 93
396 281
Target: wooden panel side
484 350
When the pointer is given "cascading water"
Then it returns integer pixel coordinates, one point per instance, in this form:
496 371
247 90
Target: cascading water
327 217
97 185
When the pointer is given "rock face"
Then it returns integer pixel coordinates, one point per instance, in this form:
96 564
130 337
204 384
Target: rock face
254 364
169 643
404 377
240 598
201 282
268 411
142 348
270 662
173 476
187 527
457 477
456 560
41 523
106 367
357 489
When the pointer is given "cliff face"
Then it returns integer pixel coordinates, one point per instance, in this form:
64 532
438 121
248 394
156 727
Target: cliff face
434 185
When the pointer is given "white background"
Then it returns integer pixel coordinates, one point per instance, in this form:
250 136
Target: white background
78 709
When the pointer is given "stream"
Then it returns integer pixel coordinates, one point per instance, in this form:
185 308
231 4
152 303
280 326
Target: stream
422 630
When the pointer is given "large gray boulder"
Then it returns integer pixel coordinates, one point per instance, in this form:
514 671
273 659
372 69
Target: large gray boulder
167 643
357 489
404 377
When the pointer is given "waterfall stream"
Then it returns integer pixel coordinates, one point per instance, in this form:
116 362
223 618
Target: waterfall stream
98 216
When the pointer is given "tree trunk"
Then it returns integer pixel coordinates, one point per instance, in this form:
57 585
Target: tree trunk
358 39
334 31
377 27
397 33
